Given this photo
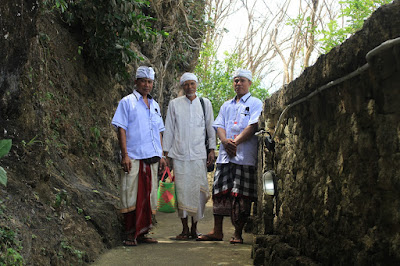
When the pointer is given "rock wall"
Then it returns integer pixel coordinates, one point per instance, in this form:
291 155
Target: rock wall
61 199
337 197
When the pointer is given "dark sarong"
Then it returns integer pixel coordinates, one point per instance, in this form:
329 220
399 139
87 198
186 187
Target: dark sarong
234 188
130 220
143 208
238 208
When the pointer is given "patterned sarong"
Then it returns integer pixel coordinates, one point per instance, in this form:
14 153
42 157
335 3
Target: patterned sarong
238 208
235 179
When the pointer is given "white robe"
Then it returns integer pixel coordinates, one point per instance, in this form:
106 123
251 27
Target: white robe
185 128
192 190
184 140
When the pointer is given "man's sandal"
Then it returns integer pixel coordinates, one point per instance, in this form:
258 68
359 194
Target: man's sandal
147 240
182 236
194 235
208 238
236 241
129 243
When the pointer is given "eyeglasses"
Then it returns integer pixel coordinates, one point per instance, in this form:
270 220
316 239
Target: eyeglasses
241 80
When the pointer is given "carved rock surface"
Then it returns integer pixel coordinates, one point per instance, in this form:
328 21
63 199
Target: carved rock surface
337 155
61 199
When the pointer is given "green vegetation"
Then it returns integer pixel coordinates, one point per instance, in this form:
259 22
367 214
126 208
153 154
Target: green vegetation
79 210
355 12
9 245
5 146
95 138
31 142
215 78
61 199
109 28
73 251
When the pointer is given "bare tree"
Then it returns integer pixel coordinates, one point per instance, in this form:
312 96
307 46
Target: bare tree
256 47
259 47
309 38
217 11
280 35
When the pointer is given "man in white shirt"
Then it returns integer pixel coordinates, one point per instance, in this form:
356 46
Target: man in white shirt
184 142
139 124
235 181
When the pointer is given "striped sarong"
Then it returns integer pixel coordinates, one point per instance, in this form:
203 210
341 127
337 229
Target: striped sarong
235 179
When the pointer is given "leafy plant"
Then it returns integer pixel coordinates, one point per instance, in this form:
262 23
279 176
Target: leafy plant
62 5
333 36
61 199
73 251
355 12
31 142
9 248
95 132
109 28
5 146
79 210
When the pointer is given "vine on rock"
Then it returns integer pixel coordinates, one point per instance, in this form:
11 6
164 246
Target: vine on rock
108 28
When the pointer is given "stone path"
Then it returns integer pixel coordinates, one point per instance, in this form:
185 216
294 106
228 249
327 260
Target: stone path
191 252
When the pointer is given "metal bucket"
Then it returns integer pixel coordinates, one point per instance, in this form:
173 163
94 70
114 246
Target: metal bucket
268 182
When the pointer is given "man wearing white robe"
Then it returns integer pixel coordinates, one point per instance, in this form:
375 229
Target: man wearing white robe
184 145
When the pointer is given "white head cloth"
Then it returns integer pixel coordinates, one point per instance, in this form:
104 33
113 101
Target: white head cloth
145 72
188 76
243 73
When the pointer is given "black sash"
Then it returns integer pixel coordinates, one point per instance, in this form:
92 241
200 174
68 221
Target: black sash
151 160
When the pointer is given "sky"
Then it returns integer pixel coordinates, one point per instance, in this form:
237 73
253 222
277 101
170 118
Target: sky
236 25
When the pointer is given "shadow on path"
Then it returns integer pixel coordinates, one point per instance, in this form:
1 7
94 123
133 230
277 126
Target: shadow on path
190 252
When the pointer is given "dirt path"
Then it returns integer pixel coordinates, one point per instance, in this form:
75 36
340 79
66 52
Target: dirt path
191 252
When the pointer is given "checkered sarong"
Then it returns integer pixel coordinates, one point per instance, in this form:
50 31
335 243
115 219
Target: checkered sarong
235 179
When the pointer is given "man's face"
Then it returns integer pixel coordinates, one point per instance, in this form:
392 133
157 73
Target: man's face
144 86
189 87
241 85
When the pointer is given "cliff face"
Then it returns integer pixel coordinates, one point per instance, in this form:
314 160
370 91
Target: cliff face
337 181
63 168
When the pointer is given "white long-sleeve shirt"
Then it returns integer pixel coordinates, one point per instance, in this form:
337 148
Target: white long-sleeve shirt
185 125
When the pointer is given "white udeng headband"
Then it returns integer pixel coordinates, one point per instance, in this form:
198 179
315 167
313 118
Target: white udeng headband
243 73
188 76
145 72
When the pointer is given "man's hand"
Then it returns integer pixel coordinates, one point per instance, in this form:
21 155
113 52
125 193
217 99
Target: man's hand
163 164
126 163
169 162
210 158
246 134
230 147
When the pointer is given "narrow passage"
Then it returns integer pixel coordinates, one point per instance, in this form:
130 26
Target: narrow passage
191 252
